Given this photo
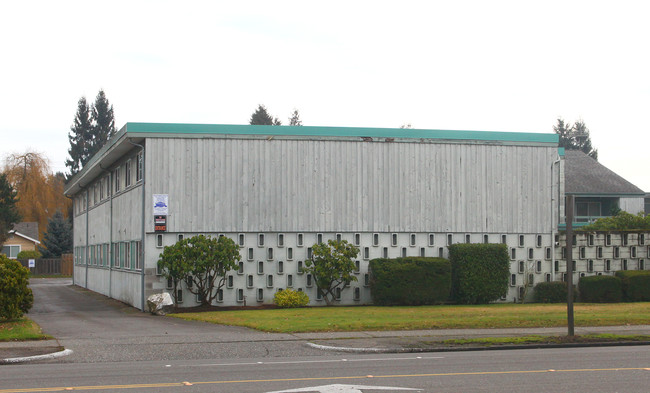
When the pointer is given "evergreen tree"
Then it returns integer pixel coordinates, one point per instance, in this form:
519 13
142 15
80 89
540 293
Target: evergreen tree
103 123
92 128
8 211
262 117
58 238
294 120
79 137
575 137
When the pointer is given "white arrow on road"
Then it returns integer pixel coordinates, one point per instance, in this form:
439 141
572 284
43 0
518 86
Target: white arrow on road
341 389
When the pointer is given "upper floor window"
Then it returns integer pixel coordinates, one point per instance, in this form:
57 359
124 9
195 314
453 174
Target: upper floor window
116 177
127 173
138 167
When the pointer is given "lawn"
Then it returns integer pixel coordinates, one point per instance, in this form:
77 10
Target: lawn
20 330
341 319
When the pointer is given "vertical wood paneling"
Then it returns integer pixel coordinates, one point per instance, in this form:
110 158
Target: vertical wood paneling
249 185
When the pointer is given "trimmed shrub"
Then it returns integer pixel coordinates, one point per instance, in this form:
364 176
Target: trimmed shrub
600 289
479 272
16 297
30 254
552 292
289 298
636 285
410 281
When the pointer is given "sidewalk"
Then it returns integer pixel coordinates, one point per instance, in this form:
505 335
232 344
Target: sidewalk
376 341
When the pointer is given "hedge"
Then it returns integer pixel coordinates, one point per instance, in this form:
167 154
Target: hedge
480 272
636 285
410 281
552 292
600 289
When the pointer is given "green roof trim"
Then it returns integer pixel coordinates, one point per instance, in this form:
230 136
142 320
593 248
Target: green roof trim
225 129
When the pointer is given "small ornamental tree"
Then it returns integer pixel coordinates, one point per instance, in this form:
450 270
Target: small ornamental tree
16 297
332 266
202 262
174 266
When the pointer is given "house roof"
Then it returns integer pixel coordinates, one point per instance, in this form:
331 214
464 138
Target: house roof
585 176
29 229
129 137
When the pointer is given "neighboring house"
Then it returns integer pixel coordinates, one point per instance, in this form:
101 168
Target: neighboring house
598 192
277 190
24 237
647 204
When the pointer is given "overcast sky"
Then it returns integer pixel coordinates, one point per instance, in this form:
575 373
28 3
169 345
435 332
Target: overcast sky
465 65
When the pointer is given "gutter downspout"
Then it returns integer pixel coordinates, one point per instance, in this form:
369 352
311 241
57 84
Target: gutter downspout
110 231
87 235
142 243
553 217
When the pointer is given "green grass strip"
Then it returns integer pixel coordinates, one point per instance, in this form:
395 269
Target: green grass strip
349 319
21 330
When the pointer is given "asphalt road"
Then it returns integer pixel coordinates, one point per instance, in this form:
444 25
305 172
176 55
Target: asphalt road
117 347
611 369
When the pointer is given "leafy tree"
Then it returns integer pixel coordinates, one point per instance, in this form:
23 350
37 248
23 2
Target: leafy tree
294 120
202 262
332 267
174 265
58 237
91 129
80 138
16 297
262 117
575 137
623 221
40 193
9 214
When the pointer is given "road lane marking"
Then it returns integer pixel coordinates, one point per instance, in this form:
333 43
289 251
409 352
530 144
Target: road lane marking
181 384
307 361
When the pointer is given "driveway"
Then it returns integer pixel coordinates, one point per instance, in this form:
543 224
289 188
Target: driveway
100 329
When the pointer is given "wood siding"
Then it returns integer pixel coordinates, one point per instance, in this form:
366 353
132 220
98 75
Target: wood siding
252 185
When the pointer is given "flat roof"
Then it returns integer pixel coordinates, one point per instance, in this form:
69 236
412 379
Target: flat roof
164 129
129 136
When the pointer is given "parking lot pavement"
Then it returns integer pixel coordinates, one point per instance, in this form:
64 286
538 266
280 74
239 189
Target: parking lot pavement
97 328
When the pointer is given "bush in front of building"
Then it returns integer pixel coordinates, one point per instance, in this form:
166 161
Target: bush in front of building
289 298
552 292
29 254
410 281
636 285
202 263
16 297
600 289
479 272
332 266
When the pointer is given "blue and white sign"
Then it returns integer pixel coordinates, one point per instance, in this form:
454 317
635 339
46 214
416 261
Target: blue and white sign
31 263
160 204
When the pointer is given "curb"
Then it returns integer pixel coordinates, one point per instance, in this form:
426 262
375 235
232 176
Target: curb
54 355
475 348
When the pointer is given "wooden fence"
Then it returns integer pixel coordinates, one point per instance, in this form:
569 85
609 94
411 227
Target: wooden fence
53 266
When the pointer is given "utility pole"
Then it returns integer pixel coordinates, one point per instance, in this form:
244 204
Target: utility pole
569 263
